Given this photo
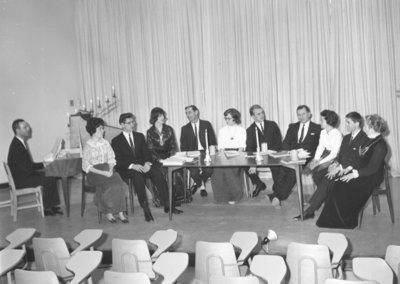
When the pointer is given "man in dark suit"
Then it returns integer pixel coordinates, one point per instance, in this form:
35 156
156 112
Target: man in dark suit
26 172
134 162
268 132
346 160
303 134
193 139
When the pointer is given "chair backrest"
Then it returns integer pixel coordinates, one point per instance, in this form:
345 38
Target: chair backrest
373 268
35 277
51 254
270 268
9 176
112 277
339 281
19 237
163 239
219 279
215 259
392 257
131 256
82 264
336 242
308 263
171 265
246 241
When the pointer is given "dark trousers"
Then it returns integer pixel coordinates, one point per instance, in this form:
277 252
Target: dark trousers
255 179
50 190
157 178
283 184
200 177
324 185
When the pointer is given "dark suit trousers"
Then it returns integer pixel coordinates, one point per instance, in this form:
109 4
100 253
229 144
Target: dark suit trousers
156 176
50 190
255 179
203 177
283 184
324 185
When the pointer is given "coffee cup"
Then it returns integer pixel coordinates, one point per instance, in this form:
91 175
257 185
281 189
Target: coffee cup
294 155
264 147
212 149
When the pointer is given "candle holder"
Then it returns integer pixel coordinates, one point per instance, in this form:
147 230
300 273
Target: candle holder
207 158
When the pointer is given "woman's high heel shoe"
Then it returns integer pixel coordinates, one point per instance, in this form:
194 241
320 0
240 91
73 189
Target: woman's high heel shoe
110 218
123 218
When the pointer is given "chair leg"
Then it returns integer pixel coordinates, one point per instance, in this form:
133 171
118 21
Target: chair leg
41 203
389 197
15 208
131 194
360 218
374 205
83 202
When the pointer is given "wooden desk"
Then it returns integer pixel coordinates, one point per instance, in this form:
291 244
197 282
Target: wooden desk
63 169
242 160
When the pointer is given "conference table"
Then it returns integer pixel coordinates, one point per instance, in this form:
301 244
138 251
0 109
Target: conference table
241 159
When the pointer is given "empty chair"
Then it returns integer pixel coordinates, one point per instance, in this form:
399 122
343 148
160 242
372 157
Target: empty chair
163 239
35 277
339 281
20 237
270 268
308 263
9 259
85 190
131 256
337 244
372 268
392 257
112 277
82 264
86 239
246 241
36 192
171 265
215 259
219 279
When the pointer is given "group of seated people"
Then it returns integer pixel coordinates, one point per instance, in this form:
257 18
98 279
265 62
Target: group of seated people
344 169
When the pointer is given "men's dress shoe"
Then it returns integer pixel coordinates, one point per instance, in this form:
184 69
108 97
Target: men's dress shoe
305 217
57 210
147 214
193 189
203 193
174 210
261 186
49 212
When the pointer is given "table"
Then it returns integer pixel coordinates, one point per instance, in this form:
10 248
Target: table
63 169
220 160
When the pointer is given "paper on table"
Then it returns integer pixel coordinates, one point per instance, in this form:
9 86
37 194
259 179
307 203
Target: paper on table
279 154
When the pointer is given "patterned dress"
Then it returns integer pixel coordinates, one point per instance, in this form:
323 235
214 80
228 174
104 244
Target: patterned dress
111 192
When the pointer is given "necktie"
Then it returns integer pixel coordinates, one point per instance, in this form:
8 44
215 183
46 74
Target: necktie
131 143
195 135
351 139
262 128
301 134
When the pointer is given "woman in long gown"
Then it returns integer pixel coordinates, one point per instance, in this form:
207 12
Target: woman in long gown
351 192
227 183
98 162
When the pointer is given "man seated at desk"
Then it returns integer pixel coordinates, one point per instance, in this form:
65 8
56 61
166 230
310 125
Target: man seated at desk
26 172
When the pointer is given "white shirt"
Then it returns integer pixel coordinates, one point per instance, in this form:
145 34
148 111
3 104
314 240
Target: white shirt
353 135
22 141
306 125
127 134
330 141
199 147
232 137
260 126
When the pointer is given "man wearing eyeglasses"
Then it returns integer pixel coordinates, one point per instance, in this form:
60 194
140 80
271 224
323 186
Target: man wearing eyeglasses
193 139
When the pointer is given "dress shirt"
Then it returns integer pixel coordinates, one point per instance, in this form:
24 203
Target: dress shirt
126 135
353 135
22 141
199 146
232 137
260 126
306 125
330 141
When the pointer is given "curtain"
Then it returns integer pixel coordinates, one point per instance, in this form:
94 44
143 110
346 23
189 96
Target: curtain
218 54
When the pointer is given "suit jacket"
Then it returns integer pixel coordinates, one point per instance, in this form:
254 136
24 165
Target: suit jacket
348 153
272 136
23 169
309 143
188 138
124 154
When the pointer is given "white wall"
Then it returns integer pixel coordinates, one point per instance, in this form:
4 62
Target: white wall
38 70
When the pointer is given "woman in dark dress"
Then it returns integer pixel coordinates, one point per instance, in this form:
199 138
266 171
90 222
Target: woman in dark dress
352 191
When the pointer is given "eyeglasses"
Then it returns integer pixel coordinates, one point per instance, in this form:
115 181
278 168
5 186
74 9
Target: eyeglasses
228 118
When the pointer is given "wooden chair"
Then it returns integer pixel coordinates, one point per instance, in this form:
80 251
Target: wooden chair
171 265
337 244
35 277
15 194
113 277
270 268
386 190
308 263
372 268
215 259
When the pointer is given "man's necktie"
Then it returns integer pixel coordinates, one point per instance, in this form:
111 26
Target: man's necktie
131 143
195 135
301 134
262 128
351 139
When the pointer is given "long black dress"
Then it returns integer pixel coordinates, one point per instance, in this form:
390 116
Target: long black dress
348 199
